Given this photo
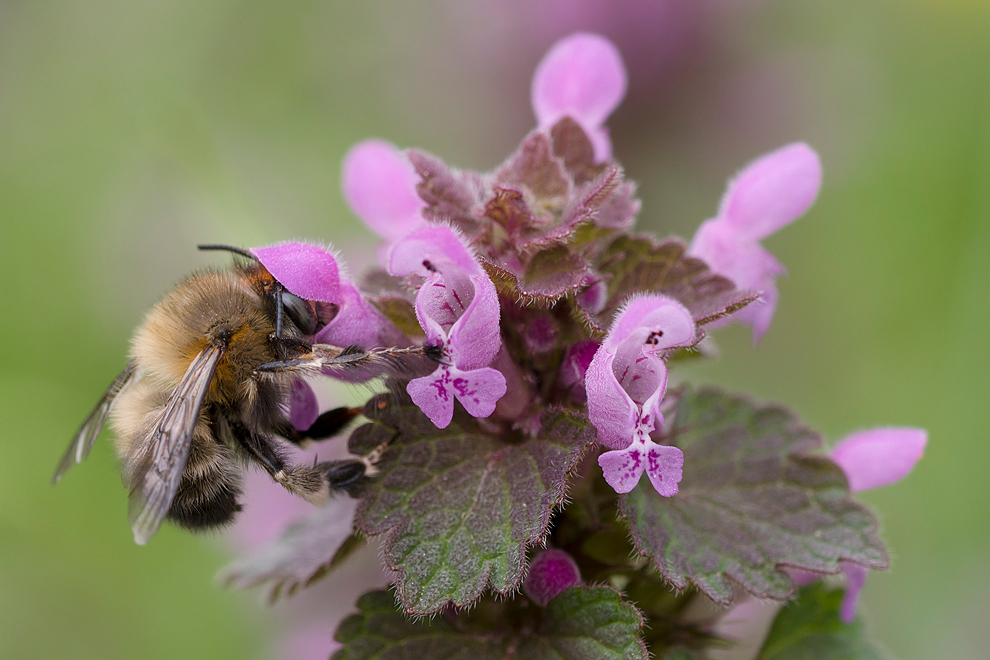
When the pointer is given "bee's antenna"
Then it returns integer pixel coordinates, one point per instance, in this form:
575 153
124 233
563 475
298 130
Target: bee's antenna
278 310
228 248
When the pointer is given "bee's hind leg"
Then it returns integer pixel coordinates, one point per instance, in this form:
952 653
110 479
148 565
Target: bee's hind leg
326 426
313 483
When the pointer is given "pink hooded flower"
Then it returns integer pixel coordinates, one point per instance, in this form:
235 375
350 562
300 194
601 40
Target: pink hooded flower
870 459
581 77
379 184
459 310
625 384
311 272
768 194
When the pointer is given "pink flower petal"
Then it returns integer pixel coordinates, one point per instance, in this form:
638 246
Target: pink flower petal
610 409
855 579
550 573
772 191
664 467
437 244
747 264
458 305
303 406
359 322
478 390
308 271
475 337
626 379
379 184
879 457
623 468
581 76
434 395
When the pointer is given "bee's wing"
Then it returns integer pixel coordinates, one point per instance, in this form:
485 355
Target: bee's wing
83 441
155 468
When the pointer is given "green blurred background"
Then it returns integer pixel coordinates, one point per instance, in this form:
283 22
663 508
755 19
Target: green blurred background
130 131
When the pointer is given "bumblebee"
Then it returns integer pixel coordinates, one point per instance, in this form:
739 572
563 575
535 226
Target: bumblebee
205 392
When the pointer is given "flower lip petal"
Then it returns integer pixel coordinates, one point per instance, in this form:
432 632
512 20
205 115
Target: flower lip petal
434 395
622 468
581 76
772 191
379 183
879 457
309 271
664 467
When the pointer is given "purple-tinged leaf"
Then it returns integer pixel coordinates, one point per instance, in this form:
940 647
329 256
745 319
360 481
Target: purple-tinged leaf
751 502
582 623
458 507
552 273
572 146
401 312
305 552
379 184
451 195
639 264
811 627
535 167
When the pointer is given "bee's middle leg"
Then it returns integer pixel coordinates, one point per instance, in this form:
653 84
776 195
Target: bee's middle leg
313 483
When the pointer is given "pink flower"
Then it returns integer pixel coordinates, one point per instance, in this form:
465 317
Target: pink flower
550 573
870 459
459 310
309 271
768 194
625 384
312 272
379 184
581 77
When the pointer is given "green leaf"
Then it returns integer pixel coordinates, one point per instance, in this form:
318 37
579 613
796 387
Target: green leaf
459 506
637 264
380 631
811 628
751 501
587 623
582 623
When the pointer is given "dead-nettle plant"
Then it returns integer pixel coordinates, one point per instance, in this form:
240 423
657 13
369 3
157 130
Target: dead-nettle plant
523 334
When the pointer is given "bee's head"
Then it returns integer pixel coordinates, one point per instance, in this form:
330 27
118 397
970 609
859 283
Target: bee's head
308 316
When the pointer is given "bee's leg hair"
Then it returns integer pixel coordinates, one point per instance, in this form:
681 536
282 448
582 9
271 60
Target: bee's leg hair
286 348
312 483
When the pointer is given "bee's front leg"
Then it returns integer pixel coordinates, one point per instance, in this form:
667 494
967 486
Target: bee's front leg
288 348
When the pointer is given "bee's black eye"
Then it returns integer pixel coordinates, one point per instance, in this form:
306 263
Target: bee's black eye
298 310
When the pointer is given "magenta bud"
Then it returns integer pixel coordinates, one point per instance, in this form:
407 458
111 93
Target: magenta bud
551 572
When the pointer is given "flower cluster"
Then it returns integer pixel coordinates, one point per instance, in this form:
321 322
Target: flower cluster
545 327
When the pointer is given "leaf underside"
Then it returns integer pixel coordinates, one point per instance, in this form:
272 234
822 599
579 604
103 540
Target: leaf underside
750 502
582 623
459 506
